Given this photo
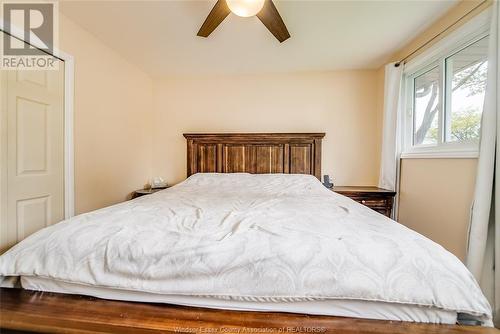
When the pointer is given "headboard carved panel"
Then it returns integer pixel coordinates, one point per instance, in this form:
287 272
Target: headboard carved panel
257 153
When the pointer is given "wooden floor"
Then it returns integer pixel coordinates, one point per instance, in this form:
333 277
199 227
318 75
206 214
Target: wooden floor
24 310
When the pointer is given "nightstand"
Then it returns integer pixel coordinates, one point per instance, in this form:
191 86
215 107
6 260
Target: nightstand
378 199
142 192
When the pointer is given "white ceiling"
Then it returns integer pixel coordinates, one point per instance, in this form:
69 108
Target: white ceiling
160 36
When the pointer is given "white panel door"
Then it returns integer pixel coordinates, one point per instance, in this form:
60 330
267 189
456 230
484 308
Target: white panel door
32 152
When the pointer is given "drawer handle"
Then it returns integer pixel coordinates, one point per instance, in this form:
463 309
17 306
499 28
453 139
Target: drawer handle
363 201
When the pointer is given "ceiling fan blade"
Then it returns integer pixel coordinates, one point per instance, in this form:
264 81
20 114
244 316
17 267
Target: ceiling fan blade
218 13
271 18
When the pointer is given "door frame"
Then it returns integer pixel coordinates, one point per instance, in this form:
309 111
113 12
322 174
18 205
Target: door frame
69 77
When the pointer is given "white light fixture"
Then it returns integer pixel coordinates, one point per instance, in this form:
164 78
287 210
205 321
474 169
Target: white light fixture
245 8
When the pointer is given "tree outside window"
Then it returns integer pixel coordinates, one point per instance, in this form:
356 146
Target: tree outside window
465 74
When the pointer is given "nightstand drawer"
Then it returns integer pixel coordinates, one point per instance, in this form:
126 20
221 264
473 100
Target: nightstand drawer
377 199
373 202
386 212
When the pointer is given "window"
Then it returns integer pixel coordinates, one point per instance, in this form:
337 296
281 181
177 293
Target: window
444 98
425 107
466 71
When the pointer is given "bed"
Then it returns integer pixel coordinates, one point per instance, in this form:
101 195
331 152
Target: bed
251 230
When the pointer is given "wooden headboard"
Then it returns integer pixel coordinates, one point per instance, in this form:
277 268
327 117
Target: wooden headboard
257 153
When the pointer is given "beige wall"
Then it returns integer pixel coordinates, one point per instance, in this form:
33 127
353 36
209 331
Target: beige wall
452 20
342 104
435 199
112 111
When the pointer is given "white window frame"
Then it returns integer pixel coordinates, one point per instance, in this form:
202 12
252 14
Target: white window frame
474 30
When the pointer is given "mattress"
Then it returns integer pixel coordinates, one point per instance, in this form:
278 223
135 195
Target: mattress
334 307
256 241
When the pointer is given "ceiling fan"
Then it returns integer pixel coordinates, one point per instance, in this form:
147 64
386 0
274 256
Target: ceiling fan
263 9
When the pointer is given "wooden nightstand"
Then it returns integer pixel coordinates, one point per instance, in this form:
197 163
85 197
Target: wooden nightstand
378 199
142 192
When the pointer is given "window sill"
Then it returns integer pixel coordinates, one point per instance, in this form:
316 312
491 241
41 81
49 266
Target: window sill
440 153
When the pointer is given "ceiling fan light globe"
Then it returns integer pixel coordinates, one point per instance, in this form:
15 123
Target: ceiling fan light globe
245 8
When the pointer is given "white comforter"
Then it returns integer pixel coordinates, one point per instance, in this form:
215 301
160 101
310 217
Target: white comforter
250 237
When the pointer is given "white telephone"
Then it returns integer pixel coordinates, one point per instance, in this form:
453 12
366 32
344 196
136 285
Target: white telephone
158 182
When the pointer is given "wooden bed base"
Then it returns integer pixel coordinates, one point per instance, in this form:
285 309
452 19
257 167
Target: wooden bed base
23 310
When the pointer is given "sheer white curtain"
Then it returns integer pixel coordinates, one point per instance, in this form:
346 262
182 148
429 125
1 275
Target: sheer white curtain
391 137
483 253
